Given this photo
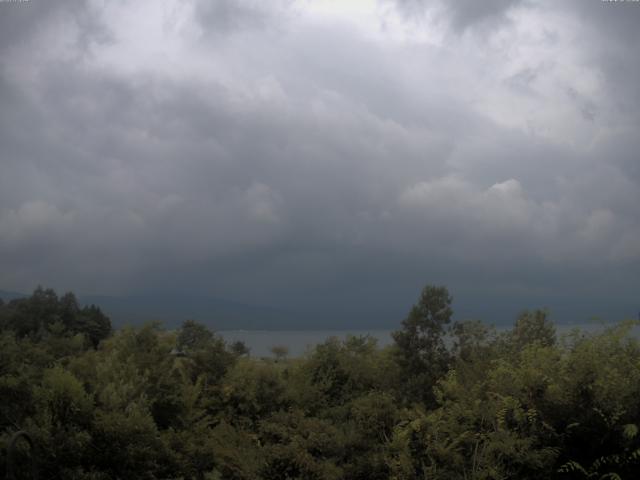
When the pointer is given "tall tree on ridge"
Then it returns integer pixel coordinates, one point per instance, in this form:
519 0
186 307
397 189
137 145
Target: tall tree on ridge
421 351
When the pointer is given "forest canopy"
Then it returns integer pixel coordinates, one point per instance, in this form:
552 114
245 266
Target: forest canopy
446 400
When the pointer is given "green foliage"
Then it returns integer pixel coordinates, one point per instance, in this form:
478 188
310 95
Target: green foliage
239 348
154 404
421 350
300 447
336 372
193 336
236 452
205 353
126 442
93 323
533 327
471 340
43 315
280 351
252 391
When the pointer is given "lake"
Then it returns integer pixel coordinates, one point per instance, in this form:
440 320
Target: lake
299 341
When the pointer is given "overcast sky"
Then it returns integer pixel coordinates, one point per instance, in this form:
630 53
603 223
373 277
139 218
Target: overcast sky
324 155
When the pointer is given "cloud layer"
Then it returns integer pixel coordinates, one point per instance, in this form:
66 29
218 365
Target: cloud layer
330 155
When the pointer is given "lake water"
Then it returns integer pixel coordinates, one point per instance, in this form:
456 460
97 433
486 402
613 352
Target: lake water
298 342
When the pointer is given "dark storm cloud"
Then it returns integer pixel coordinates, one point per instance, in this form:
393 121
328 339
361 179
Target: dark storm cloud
292 154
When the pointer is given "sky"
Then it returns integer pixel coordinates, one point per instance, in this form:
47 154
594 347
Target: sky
326 156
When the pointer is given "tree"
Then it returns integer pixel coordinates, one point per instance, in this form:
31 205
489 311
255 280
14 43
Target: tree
206 352
69 310
252 391
471 339
240 349
94 324
280 352
421 351
45 315
193 336
533 327
31 316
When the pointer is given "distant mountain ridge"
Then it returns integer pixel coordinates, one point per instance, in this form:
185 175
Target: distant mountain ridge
220 314
173 309
8 295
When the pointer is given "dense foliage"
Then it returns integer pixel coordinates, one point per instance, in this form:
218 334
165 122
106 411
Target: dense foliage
446 401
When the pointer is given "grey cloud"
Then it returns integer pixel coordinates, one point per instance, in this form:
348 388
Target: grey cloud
610 30
18 22
468 12
220 17
21 21
308 166
461 14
